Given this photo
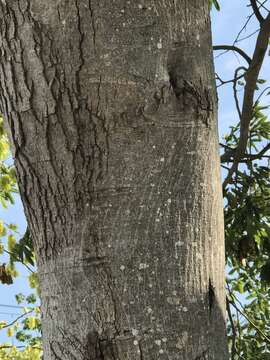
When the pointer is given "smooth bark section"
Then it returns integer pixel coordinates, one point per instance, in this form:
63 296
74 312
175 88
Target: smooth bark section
111 107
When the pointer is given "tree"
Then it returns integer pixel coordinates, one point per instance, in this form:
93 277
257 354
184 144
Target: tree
111 108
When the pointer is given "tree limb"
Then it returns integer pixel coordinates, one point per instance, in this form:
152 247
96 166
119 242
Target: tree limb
256 11
228 155
233 48
251 78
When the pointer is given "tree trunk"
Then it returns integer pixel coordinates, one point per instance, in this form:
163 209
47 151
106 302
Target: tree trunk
111 108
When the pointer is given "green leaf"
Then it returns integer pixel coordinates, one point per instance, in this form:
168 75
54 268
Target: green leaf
215 3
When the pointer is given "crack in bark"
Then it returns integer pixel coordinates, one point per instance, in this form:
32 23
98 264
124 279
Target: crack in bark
91 10
80 46
211 296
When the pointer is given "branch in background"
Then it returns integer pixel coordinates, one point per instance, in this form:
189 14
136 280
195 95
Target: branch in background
262 93
251 78
262 5
256 10
249 35
260 154
232 302
234 352
242 29
249 320
18 318
235 90
223 82
228 156
233 48
18 347
19 260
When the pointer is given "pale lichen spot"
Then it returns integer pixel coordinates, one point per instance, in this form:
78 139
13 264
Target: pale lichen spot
179 243
122 267
159 45
158 342
149 310
164 339
135 342
140 6
134 332
173 300
161 351
162 159
185 309
143 266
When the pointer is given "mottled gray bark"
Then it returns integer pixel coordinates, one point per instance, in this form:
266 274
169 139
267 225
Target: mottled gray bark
111 107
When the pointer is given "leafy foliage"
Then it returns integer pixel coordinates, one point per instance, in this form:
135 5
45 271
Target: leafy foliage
247 232
215 3
26 329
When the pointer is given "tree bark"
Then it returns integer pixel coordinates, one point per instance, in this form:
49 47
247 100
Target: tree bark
111 108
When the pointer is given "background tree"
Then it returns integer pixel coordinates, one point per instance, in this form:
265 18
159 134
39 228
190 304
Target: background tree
245 158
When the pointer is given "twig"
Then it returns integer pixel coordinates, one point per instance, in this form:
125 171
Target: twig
262 93
235 91
242 29
223 82
262 5
18 318
18 347
19 260
249 35
243 314
233 328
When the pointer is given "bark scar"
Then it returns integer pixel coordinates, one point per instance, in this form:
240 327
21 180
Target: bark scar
193 96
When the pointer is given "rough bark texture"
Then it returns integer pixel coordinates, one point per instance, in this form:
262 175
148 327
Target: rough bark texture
111 107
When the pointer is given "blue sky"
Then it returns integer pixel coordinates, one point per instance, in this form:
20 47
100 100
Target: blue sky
225 25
